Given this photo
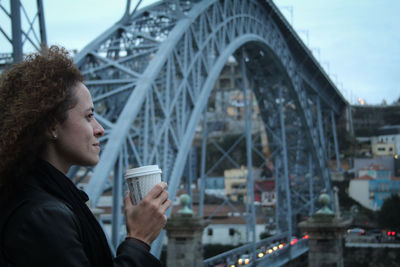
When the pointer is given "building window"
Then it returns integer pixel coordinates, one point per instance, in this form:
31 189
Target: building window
210 231
231 231
226 70
390 149
381 149
225 83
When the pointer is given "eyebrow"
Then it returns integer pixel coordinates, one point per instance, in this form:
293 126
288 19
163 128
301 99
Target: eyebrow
90 109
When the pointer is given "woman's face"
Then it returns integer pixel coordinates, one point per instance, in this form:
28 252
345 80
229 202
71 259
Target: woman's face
77 137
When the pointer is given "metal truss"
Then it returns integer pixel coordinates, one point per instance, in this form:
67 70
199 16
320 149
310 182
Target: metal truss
22 30
152 73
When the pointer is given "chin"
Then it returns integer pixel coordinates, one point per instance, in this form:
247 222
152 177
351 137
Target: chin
94 163
91 162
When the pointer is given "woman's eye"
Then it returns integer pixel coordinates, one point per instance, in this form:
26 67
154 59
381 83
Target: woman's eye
90 116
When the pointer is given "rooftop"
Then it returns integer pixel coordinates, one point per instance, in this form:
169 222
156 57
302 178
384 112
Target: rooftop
375 167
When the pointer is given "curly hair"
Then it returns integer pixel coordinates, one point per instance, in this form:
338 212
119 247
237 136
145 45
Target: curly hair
34 95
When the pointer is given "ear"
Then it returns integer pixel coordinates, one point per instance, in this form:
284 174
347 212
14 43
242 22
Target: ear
52 131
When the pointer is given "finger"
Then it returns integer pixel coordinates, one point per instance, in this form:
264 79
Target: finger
166 205
162 197
127 200
157 190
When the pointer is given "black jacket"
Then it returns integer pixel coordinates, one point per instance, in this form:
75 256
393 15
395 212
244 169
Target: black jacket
39 229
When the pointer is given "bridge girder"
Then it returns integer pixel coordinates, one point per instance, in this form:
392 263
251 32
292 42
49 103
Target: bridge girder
22 31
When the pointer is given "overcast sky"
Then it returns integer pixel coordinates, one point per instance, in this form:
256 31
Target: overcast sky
356 41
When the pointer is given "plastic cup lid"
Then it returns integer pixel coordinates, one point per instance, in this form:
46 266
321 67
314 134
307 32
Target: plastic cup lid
144 170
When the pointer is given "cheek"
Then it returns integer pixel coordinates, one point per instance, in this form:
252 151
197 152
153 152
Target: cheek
79 132
89 135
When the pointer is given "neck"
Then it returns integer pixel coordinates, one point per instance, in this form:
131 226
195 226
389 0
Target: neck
51 158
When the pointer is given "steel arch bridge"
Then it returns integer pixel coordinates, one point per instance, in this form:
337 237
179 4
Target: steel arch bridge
151 76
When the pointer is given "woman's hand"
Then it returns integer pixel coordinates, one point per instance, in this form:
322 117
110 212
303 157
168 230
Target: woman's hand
146 220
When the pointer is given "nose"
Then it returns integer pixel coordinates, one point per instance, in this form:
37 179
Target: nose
98 129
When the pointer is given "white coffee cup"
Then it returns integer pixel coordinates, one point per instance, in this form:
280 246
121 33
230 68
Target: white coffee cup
141 180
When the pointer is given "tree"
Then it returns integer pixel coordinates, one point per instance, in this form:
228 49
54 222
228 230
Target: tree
389 215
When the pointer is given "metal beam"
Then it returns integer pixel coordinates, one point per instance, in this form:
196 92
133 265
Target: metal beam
16 30
42 24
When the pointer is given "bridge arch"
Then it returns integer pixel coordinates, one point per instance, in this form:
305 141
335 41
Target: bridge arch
151 75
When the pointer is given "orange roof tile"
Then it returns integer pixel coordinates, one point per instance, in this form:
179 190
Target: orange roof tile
365 177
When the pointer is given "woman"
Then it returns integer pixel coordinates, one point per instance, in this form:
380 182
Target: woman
47 125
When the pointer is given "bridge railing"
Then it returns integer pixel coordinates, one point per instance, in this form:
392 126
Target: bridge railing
271 251
245 249
284 255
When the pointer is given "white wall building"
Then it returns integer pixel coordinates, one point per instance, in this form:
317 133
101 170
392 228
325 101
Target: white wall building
229 234
373 186
359 191
387 142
